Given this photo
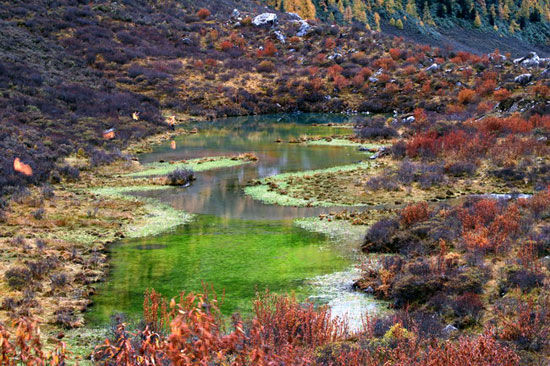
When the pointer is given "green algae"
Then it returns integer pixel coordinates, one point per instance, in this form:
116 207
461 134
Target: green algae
240 257
196 165
160 217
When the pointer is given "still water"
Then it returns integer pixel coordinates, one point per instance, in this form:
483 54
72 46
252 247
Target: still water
238 245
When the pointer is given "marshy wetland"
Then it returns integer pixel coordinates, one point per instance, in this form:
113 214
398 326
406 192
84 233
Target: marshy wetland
234 242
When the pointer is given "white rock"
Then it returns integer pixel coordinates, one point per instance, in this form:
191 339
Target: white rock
432 67
523 79
280 36
265 19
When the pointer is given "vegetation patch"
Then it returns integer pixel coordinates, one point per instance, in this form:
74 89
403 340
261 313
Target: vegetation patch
196 165
274 190
160 217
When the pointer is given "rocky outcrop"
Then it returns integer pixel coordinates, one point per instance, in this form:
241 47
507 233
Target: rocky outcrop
531 60
265 19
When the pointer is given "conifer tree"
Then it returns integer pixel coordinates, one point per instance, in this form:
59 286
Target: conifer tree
477 21
359 11
411 8
377 21
427 16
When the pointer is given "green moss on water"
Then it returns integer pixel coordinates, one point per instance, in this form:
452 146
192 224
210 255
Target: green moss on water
160 217
237 256
196 165
263 192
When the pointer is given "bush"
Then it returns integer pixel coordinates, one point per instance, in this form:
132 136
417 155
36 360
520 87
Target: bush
415 213
18 277
180 177
466 96
203 13
266 66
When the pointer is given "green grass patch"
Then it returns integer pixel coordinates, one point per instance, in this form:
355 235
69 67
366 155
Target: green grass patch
196 165
160 217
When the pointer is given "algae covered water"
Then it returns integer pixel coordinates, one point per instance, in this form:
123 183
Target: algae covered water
238 245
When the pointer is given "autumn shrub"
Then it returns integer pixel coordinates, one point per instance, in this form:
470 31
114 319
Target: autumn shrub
466 96
415 213
268 50
203 13
266 66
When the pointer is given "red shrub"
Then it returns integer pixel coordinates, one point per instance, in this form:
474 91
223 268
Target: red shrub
395 53
415 213
226 45
268 50
203 13
340 81
422 143
334 71
330 44
501 95
420 115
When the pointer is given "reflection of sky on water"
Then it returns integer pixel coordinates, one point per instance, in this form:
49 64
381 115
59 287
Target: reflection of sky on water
220 192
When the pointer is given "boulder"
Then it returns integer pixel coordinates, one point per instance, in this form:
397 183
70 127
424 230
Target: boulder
280 36
449 329
432 67
304 28
265 19
531 60
523 79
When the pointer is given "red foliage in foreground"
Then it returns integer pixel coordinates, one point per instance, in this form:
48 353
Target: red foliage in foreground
281 332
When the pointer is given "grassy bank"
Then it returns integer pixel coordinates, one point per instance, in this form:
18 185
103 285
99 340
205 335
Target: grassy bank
196 165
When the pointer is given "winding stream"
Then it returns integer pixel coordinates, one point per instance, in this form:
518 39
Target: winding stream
235 243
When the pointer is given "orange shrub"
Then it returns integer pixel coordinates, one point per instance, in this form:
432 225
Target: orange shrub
487 87
485 106
466 96
501 95
395 53
330 43
334 71
340 81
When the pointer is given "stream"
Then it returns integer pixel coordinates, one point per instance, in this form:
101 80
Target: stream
236 244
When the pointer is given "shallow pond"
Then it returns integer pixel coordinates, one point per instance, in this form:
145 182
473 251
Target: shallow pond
239 245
